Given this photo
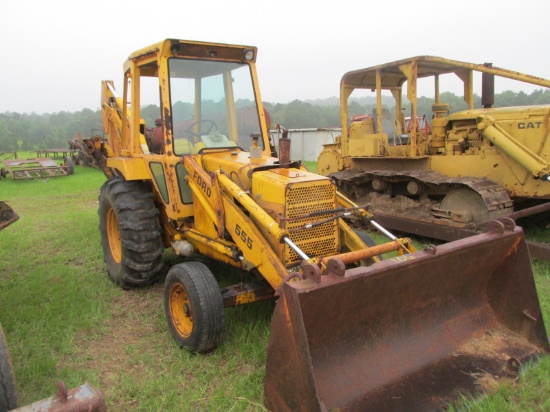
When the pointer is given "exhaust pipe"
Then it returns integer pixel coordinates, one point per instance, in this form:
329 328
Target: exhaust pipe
284 147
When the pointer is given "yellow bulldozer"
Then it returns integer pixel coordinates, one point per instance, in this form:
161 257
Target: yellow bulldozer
356 324
453 171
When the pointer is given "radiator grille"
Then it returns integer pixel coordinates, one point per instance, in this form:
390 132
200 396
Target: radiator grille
307 198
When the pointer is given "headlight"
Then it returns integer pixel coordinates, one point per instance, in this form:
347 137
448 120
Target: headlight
248 55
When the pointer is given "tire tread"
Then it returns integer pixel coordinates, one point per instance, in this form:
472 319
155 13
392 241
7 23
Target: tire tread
140 232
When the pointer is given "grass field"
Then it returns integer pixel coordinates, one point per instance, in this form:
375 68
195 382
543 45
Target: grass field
65 320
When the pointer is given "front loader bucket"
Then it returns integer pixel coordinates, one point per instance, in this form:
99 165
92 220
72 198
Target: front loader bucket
408 333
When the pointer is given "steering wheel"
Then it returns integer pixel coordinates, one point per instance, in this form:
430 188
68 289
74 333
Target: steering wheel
213 126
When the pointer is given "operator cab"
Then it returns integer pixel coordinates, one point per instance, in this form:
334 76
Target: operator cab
213 105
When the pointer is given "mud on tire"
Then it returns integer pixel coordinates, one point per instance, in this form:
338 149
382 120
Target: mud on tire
130 232
8 392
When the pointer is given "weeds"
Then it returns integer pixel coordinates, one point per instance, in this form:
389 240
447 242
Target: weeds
65 320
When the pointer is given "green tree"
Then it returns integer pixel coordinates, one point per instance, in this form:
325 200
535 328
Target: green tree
8 141
53 130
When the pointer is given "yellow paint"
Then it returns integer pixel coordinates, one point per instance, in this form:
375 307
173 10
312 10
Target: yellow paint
130 168
510 146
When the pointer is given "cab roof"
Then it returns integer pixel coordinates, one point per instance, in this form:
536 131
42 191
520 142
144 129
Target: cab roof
427 66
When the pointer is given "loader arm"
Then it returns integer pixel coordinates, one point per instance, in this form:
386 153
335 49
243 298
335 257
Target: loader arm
255 232
206 190
253 249
256 251
367 219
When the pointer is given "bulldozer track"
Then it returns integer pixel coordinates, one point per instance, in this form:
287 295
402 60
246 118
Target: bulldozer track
432 185
411 219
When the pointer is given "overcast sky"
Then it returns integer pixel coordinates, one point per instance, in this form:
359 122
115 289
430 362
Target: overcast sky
55 53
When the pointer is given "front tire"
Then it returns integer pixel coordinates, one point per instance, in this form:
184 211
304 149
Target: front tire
130 232
8 392
369 241
194 306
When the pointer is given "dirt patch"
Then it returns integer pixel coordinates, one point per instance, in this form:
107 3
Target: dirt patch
398 205
112 352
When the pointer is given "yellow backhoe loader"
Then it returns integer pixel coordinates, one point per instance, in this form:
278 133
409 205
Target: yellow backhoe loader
350 330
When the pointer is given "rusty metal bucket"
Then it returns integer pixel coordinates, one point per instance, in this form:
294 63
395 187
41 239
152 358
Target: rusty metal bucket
84 398
7 215
408 333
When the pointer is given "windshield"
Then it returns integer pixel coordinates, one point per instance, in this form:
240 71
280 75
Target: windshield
213 105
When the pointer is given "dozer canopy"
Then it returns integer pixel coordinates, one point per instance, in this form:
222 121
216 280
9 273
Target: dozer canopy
408 333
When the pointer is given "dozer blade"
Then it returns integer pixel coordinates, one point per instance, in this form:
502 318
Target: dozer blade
409 333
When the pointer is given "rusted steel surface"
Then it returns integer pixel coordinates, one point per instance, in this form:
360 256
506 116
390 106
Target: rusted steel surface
7 215
244 293
495 196
39 168
407 333
88 151
366 253
530 211
447 233
84 398
538 250
419 228
60 153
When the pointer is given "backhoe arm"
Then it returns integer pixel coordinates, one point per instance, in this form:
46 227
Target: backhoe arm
111 113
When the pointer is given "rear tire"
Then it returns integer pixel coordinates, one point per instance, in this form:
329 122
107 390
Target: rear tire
194 306
130 232
8 392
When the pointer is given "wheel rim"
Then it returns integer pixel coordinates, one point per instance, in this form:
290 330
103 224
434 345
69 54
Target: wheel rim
180 310
113 234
